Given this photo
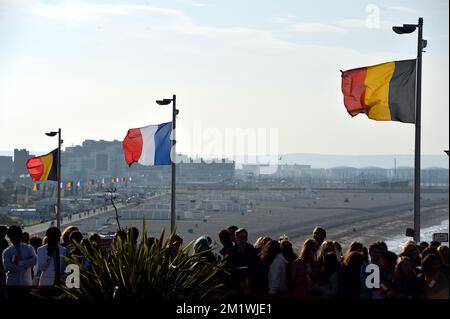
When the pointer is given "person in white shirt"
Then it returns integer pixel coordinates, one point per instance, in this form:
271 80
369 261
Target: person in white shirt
276 265
51 259
18 259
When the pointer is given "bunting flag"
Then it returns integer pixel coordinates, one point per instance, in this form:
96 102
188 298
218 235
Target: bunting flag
35 187
68 185
384 92
43 168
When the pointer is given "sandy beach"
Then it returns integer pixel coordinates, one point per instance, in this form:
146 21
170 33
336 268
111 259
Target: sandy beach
347 216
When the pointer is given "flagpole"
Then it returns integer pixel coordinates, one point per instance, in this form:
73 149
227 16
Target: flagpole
418 134
58 198
174 156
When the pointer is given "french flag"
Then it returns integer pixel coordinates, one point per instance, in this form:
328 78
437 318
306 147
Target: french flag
149 145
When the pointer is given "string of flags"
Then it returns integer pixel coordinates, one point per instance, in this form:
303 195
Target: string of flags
79 184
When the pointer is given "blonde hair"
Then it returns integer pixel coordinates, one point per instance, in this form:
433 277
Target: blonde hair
66 233
261 241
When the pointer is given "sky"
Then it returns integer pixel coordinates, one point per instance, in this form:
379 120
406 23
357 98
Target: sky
268 68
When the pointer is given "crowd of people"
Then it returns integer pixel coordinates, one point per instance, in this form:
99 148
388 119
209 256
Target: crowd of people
268 269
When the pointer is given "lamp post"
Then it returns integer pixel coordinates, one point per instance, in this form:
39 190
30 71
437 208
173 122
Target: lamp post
173 156
58 173
421 44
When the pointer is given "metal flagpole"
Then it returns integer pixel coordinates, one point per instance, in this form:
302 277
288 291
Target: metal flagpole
174 156
420 46
58 200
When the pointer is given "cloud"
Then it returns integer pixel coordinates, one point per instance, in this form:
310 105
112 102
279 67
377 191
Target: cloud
315 28
284 19
79 11
244 76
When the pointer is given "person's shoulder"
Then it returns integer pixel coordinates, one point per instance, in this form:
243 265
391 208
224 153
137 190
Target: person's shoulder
42 248
27 246
62 249
8 249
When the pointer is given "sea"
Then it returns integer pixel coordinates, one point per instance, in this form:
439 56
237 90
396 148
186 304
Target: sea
396 243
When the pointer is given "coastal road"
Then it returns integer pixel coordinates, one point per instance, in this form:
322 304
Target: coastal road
83 216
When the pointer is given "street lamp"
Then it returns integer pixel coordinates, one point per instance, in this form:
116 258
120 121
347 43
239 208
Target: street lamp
58 173
421 44
174 154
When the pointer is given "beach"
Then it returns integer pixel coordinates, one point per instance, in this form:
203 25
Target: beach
346 215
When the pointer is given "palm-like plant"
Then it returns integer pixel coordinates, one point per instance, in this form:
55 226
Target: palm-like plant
146 270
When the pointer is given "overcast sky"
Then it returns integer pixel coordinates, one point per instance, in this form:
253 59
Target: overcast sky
95 68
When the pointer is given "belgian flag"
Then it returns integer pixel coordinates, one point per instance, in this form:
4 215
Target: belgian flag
384 92
44 168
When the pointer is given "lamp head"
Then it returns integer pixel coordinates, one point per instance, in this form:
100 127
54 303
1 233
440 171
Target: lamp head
405 29
51 133
164 102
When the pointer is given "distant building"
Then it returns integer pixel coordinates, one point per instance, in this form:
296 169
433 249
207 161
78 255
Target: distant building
101 162
20 159
94 159
251 169
206 171
403 172
435 176
295 170
6 167
105 159
343 172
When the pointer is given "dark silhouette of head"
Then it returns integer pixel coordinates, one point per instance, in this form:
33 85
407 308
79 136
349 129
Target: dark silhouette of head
431 265
356 246
422 246
66 234
232 229
25 238
269 251
330 263
76 237
309 250
435 244
338 249
287 250
53 235
376 252
133 234
14 234
429 251
404 269
353 262
241 237
225 237
36 242
120 234
319 235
